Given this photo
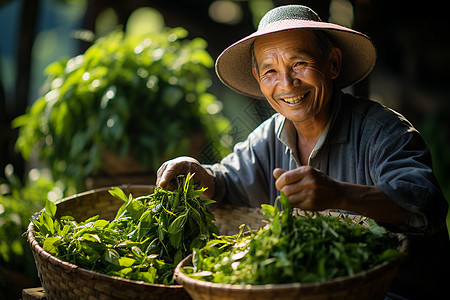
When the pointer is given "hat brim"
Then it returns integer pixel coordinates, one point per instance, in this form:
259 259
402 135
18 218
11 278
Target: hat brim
234 64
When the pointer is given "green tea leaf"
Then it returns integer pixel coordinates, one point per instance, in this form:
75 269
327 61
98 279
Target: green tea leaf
126 262
50 208
135 208
91 237
47 221
389 254
269 210
177 225
208 201
195 194
112 256
65 231
149 276
175 239
101 223
118 193
49 245
137 252
284 201
178 257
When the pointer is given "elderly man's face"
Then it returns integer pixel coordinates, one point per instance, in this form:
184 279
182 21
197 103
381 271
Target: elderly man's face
293 76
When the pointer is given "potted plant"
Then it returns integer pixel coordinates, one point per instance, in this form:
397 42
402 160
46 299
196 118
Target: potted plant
125 105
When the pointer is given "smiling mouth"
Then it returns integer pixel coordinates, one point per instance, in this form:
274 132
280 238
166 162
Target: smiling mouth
294 100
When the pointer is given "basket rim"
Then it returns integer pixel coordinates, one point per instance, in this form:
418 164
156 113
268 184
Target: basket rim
70 267
185 280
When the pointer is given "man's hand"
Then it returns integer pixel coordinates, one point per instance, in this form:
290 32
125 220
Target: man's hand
168 172
308 188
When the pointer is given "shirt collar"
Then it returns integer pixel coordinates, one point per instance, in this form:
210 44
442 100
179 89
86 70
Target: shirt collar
286 133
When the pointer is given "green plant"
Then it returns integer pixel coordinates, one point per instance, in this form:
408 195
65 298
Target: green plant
314 248
18 201
141 96
148 237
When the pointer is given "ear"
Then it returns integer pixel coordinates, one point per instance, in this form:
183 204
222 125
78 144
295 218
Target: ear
255 74
335 60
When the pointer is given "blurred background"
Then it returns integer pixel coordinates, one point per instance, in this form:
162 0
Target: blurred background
52 49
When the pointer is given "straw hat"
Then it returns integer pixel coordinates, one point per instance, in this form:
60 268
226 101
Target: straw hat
234 64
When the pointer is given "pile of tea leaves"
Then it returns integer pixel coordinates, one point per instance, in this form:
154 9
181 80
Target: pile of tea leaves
148 237
311 248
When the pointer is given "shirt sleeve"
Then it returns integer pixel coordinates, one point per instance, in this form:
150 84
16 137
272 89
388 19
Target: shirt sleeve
403 171
241 177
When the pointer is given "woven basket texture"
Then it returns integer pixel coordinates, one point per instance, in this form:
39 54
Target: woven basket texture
371 284
63 280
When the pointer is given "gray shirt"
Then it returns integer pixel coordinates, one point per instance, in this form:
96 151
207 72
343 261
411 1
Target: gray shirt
364 143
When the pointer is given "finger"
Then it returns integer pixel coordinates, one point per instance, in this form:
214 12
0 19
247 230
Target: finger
293 189
159 175
171 185
302 202
289 177
296 199
169 172
294 175
277 172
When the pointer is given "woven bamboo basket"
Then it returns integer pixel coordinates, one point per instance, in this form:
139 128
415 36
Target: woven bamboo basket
63 280
370 284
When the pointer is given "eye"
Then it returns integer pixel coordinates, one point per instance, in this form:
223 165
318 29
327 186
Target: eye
269 72
300 64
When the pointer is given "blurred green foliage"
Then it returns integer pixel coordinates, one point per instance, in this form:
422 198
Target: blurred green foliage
139 95
18 201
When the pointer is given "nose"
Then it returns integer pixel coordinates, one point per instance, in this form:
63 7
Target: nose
288 81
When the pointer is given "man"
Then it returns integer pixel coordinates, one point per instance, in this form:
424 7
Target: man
325 149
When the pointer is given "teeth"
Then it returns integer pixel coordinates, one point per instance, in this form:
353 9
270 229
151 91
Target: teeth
294 100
